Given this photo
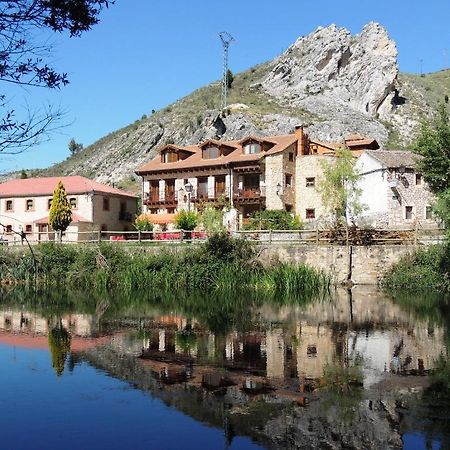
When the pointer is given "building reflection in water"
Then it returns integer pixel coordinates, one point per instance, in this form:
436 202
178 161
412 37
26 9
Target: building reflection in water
295 342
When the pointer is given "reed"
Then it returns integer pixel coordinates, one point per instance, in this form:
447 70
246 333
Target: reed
223 265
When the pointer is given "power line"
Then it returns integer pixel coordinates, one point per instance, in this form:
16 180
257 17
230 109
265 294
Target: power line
226 39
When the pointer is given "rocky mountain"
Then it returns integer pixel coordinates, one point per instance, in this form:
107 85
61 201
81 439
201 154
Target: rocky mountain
332 82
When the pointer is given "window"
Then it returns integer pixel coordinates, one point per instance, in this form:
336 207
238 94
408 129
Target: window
288 180
408 212
168 157
153 210
29 205
170 210
418 179
291 156
311 351
49 203
73 202
105 203
9 205
310 182
8 229
104 228
251 148
288 208
28 229
211 152
310 213
428 213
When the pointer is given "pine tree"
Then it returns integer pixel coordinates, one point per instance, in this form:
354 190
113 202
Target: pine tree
230 79
60 214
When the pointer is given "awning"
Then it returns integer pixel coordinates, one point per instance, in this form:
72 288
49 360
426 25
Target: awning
160 219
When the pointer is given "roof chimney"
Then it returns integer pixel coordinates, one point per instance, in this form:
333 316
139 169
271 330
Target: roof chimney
300 135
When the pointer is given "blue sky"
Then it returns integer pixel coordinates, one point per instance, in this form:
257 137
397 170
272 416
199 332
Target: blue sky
145 54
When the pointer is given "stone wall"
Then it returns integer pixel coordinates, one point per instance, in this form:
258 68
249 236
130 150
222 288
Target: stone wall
308 196
367 264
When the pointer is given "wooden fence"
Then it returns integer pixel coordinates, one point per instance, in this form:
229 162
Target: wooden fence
306 237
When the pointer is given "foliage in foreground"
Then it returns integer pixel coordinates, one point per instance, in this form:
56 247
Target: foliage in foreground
222 264
426 269
271 219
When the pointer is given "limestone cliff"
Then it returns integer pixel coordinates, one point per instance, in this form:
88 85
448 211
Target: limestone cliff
334 83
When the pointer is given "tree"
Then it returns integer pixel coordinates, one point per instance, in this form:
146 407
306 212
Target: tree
433 144
23 174
230 78
25 48
59 343
74 146
212 219
339 187
60 214
186 220
271 219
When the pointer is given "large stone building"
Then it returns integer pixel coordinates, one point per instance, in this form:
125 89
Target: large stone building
25 206
252 174
393 193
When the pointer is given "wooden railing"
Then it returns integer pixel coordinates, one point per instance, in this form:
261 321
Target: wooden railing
308 237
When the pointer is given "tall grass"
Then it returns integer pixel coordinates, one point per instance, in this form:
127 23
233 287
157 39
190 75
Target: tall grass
222 265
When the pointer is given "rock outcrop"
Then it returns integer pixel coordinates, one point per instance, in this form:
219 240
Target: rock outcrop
332 82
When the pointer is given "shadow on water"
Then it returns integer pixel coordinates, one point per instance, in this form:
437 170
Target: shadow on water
348 370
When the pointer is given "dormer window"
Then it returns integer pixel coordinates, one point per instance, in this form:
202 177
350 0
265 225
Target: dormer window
168 157
252 148
210 152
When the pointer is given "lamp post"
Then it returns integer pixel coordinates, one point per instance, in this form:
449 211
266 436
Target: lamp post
188 188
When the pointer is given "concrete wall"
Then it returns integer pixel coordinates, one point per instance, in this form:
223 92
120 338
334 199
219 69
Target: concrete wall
368 264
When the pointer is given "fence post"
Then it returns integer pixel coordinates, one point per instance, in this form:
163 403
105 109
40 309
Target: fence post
317 235
99 236
139 236
415 233
270 236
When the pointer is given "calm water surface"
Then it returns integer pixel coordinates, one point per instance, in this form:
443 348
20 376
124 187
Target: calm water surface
106 372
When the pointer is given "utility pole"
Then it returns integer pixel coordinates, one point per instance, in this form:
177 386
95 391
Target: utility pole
226 39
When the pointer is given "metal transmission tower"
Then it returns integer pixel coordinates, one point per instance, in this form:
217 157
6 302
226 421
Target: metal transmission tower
226 39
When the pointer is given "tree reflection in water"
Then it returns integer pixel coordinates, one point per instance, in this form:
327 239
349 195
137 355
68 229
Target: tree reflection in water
289 372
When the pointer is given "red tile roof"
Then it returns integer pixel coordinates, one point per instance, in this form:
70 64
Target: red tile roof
235 156
45 186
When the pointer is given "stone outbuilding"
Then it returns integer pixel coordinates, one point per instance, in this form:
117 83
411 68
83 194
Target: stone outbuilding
394 194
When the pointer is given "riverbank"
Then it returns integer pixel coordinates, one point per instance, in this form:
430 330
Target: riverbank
426 269
222 265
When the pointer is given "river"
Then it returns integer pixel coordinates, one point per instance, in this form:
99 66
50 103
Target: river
350 370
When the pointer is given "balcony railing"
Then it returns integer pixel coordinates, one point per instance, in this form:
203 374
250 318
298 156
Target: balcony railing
249 195
154 199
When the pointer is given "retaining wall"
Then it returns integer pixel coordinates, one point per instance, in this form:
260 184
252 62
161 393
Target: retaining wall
361 265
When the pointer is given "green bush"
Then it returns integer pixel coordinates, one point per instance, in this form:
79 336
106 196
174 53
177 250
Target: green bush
142 223
426 269
273 219
186 220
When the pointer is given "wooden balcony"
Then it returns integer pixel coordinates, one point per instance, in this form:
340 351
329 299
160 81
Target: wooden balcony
249 195
154 200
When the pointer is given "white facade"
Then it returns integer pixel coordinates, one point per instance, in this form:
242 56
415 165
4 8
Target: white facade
393 197
91 212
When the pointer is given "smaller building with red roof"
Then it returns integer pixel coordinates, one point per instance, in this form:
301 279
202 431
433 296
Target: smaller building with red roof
25 206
